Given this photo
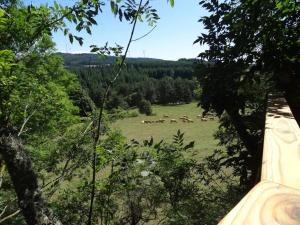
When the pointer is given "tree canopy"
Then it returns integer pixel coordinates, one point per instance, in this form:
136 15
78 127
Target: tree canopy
36 91
253 51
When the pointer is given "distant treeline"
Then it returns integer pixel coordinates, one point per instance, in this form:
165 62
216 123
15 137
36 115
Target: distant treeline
159 82
86 59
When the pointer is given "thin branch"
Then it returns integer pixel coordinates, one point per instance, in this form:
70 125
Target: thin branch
139 38
67 170
51 23
162 220
3 211
2 168
26 121
10 216
98 132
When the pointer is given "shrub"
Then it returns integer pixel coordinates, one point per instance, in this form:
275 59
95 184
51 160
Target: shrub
145 107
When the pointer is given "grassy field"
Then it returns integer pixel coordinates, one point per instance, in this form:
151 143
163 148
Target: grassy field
200 131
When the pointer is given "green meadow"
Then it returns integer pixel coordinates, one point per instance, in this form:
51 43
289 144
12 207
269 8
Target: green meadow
199 131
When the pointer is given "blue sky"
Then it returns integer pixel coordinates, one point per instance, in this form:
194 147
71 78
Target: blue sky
172 38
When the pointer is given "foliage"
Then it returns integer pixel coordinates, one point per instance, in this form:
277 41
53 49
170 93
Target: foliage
35 95
120 114
142 182
155 82
41 90
145 107
252 52
35 101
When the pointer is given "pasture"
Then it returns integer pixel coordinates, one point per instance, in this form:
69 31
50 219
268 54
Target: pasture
199 131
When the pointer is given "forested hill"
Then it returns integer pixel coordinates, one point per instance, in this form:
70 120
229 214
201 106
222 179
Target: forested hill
155 80
85 59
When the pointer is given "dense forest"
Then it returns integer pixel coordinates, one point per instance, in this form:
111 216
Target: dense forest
156 81
60 161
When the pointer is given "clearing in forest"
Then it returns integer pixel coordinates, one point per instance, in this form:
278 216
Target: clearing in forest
199 131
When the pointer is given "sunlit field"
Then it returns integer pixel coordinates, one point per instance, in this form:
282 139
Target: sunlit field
199 131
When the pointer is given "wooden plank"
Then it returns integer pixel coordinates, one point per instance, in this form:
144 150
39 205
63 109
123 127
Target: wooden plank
267 203
281 156
276 199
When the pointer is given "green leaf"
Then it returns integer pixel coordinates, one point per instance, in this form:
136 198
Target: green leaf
140 18
190 145
71 38
172 3
95 49
92 21
79 39
88 30
150 142
2 13
66 31
114 7
56 5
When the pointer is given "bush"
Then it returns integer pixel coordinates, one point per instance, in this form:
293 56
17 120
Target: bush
132 114
145 107
119 114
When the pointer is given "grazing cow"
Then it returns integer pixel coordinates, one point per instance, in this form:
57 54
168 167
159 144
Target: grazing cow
211 118
190 121
203 119
173 121
161 120
165 116
199 116
143 121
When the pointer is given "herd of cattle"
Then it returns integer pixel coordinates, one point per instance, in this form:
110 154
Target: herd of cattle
184 119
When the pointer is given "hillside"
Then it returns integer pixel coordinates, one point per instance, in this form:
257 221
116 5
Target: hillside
157 81
85 59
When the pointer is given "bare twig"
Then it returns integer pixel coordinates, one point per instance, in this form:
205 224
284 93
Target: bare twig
26 121
10 216
3 211
2 168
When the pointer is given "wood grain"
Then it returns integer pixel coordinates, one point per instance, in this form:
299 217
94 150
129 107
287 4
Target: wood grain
267 203
281 156
276 199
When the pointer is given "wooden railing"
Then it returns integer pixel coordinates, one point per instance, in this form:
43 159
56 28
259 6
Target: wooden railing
275 200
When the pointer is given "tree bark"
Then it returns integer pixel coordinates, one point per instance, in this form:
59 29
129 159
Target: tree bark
24 179
251 143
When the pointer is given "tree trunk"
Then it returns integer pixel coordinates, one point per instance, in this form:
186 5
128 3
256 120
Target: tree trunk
251 143
24 180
